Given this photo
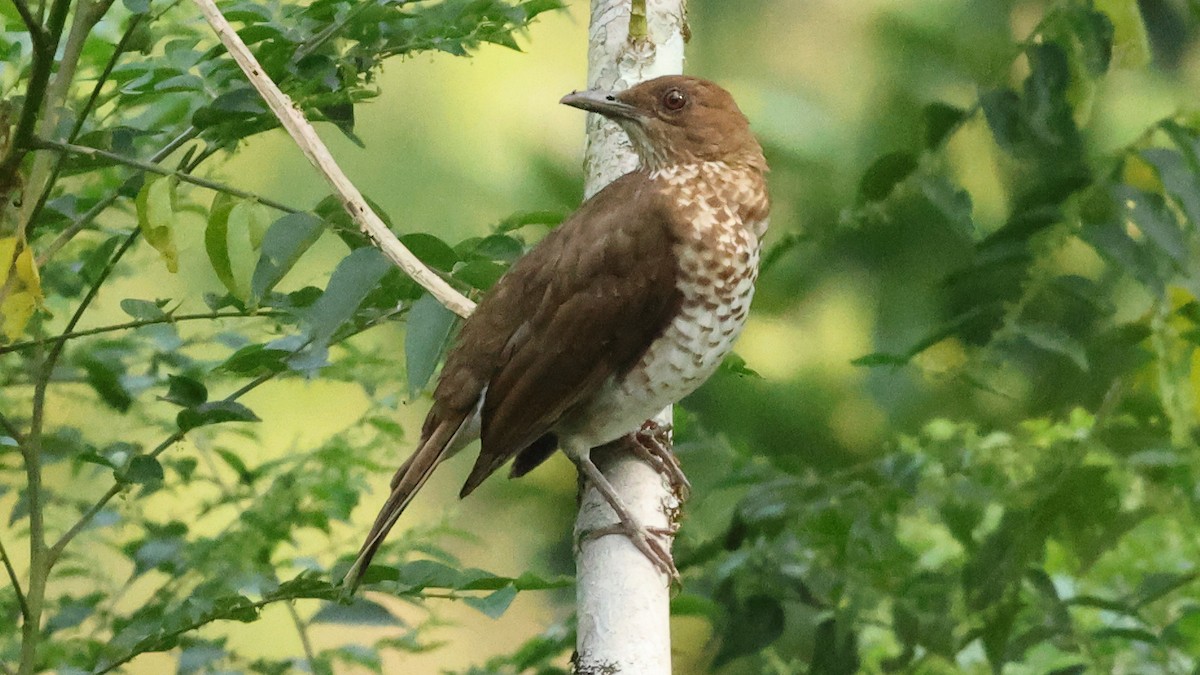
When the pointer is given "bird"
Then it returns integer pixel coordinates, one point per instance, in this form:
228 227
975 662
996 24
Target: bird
626 307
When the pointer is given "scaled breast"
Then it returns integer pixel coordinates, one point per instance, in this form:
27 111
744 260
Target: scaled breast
724 214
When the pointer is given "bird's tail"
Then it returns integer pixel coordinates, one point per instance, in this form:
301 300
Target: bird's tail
408 480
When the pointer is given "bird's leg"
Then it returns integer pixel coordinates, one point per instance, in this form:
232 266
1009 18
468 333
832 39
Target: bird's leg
638 534
651 444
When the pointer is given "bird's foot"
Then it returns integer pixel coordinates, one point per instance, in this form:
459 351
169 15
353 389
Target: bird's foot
652 444
647 540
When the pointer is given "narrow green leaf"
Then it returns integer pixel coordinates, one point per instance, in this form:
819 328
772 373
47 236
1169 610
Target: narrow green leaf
256 359
361 612
494 604
216 241
1052 339
427 330
155 205
282 246
245 475
143 310
105 377
215 412
354 278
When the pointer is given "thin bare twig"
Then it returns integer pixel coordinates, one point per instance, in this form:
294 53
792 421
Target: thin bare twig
46 144
302 629
314 149
168 318
12 576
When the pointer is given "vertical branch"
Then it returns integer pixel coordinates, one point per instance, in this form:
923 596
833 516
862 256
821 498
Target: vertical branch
622 603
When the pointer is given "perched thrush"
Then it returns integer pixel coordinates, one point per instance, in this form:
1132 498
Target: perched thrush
625 308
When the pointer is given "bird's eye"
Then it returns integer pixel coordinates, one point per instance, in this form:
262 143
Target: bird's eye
674 100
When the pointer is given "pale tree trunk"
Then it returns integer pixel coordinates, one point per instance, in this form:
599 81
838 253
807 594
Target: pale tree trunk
622 599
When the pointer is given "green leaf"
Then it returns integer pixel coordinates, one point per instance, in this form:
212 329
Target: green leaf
494 604
481 274
1150 214
430 250
940 120
1051 339
753 625
143 470
155 205
1002 110
256 359
1178 178
143 310
735 364
184 391
216 412
104 376
354 278
247 223
1131 48
284 243
499 247
1103 220
428 330
360 612
534 7
522 218
216 242
245 475
885 174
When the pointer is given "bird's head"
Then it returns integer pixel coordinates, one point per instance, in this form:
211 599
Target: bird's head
677 119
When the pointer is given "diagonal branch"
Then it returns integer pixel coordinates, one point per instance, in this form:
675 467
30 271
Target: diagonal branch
314 149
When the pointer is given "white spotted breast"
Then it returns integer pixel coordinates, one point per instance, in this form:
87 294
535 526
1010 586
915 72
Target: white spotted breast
722 216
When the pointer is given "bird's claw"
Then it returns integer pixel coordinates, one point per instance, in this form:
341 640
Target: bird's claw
651 444
646 540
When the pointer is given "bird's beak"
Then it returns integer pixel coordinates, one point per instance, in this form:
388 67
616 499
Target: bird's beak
601 102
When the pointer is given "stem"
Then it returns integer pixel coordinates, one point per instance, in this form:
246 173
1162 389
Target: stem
302 630
39 568
171 318
12 576
148 167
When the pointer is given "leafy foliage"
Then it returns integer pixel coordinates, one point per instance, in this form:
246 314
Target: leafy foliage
111 166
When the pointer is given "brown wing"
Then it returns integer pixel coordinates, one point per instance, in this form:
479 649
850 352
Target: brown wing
580 307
